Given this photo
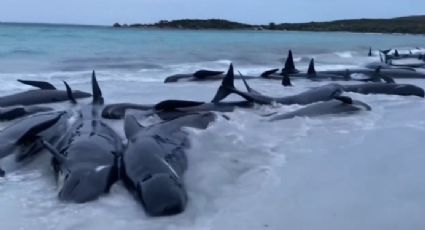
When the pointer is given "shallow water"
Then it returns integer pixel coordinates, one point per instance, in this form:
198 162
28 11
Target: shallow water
361 171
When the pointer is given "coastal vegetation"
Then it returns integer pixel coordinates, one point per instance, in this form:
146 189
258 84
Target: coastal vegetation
411 24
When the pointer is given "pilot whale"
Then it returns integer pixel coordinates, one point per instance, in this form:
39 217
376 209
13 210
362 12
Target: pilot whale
22 141
14 112
200 75
154 162
325 108
46 93
323 93
85 158
170 109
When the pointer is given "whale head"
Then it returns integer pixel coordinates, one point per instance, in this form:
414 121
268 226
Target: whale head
81 183
162 194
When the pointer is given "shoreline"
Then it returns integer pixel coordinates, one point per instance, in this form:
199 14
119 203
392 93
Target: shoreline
401 25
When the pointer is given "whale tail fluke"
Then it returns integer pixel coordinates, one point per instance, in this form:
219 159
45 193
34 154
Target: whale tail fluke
97 93
227 86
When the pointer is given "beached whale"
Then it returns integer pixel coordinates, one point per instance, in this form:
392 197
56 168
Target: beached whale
171 109
314 75
388 87
14 112
323 93
154 162
85 159
325 108
200 75
46 93
22 141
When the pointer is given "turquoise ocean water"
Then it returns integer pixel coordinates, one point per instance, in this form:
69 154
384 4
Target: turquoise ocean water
43 48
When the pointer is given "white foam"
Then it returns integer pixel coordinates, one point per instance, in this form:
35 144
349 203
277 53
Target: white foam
333 172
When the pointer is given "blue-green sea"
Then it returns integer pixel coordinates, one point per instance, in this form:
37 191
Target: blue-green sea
42 48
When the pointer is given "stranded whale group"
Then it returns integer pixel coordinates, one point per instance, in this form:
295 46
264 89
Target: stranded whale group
88 156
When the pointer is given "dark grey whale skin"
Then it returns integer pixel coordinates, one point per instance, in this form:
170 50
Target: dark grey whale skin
386 88
324 108
155 160
118 111
323 93
85 159
39 96
14 112
22 140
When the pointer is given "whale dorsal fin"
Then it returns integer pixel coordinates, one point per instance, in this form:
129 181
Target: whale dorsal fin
289 64
69 93
311 70
97 93
175 104
267 73
396 54
131 126
39 84
227 85
370 52
206 73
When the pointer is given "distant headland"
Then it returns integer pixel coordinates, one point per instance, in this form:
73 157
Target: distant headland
410 25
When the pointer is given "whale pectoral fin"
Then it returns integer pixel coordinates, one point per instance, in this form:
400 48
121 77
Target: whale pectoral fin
55 153
69 93
248 88
131 126
32 133
267 73
175 104
39 84
344 99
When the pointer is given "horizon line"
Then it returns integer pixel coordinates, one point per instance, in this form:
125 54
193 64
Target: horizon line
107 25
